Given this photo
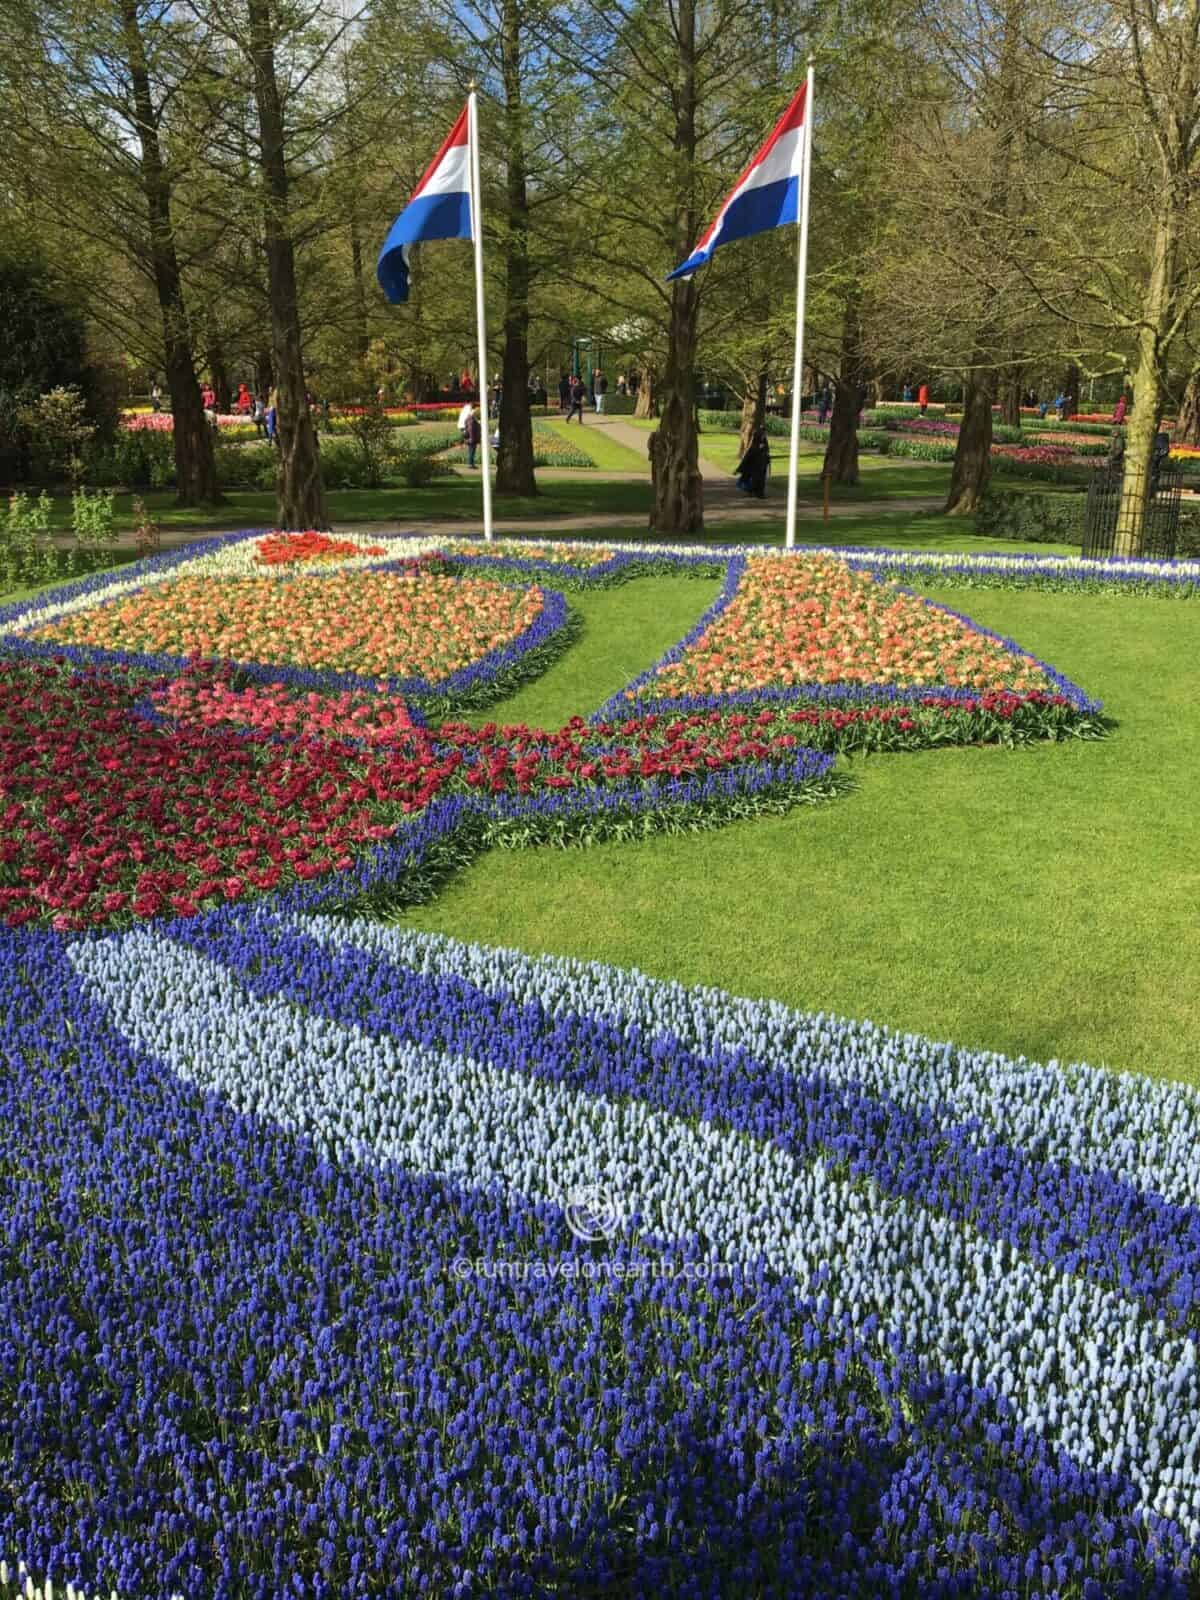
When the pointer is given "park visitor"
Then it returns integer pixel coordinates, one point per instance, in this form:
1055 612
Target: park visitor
824 405
464 416
755 465
259 414
600 384
578 396
907 396
1119 411
155 398
244 403
564 392
923 398
474 434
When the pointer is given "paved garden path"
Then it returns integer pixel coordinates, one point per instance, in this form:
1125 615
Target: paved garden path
638 439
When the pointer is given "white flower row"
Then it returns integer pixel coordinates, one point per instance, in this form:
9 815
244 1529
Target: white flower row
1145 1132
1081 1364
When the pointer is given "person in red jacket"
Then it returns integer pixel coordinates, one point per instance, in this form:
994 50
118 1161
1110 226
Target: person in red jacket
923 398
244 403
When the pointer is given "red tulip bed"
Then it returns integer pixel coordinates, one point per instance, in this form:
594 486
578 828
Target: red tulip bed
134 783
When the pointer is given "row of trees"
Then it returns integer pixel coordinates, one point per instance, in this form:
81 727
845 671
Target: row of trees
1000 194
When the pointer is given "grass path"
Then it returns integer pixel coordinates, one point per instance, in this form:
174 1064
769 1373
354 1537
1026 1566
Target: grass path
1039 901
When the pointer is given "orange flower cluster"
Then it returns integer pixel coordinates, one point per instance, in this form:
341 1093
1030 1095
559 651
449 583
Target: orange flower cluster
813 620
284 549
374 624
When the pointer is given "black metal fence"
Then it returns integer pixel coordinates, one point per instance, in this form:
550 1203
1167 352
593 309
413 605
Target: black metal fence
1131 508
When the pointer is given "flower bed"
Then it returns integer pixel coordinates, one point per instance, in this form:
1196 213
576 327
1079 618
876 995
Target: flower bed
813 621
289 549
366 623
549 450
1002 570
227 789
555 1280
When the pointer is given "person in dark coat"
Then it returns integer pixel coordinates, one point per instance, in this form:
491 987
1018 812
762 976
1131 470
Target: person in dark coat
473 432
755 465
564 393
578 396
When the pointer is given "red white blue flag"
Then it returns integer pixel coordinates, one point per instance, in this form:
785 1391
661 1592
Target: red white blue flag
767 194
440 208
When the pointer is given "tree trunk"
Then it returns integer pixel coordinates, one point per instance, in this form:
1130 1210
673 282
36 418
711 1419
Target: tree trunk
841 452
264 373
646 404
1187 428
195 466
301 494
1148 372
1070 390
674 455
358 290
754 408
514 461
1010 398
973 452
222 387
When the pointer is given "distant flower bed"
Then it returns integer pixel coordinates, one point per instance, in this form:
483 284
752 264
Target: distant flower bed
1043 454
557 554
164 422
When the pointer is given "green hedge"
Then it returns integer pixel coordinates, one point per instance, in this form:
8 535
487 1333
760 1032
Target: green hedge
1040 518
1052 425
731 422
1027 515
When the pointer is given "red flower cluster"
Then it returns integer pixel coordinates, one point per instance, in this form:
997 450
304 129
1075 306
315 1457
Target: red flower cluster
284 549
106 815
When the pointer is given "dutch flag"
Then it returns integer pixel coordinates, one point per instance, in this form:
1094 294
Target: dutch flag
440 208
767 194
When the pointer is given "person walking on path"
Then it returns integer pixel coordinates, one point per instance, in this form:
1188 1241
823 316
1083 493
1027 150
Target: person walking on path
244 403
474 435
578 396
464 415
755 465
156 398
907 397
259 415
1119 411
564 394
923 398
824 403
601 386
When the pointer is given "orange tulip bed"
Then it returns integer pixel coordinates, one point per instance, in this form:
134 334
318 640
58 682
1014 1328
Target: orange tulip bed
372 624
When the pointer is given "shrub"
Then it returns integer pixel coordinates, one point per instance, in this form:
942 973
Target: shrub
133 459
417 471
248 466
731 422
92 517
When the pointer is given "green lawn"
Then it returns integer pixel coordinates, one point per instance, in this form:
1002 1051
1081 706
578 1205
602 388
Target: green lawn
604 450
455 499
1040 901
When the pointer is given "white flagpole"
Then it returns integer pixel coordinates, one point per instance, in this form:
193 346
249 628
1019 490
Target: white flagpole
485 442
801 274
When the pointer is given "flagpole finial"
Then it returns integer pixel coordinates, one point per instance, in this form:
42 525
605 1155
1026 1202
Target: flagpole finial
812 59
472 86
